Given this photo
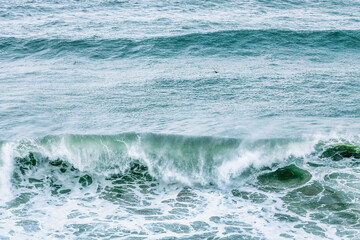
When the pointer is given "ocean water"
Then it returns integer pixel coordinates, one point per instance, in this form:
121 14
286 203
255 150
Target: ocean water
180 119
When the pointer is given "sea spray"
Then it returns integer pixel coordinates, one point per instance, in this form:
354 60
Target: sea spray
157 177
168 158
6 166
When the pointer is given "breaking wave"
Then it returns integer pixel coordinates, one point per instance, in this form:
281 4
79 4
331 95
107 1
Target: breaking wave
167 158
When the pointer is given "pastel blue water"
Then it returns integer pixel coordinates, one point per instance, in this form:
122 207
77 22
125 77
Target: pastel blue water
202 96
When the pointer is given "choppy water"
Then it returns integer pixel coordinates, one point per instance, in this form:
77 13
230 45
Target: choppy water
180 119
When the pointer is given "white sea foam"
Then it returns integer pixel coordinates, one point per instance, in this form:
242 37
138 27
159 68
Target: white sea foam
6 168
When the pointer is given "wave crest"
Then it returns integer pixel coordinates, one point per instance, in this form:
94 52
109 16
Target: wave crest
168 158
221 43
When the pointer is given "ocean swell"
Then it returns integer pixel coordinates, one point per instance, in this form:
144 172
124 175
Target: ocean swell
219 43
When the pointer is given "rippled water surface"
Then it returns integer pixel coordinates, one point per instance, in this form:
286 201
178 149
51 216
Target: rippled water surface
180 119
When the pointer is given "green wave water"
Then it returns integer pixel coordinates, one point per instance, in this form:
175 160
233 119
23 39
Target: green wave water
223 43
317 192
170 158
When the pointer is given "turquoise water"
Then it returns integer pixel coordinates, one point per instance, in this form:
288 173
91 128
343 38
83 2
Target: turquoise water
180 119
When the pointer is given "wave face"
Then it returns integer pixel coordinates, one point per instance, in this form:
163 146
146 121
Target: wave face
223 44
167 158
